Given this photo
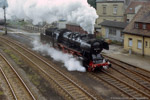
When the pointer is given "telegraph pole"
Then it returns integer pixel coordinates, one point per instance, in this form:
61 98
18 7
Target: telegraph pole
5 20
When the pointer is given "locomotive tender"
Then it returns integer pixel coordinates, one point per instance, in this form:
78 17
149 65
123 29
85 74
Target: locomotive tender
84 46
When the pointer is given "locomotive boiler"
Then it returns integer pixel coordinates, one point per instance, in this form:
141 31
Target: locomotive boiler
83 46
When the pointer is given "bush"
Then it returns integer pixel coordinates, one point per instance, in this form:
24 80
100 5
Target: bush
116 42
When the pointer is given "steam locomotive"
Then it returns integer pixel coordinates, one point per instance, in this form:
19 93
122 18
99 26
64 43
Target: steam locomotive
83 46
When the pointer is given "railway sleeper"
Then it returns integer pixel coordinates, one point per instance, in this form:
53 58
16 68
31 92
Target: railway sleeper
129 91
127 88
71 89
134 93
53 74
108 79
148 86
63 81
58 76
116 82
139 80
77 95
146 83
65 85
138 95
75 91
82 98
120 86
68 86
111 80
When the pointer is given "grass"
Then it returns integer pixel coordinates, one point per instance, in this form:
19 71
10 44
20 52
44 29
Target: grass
1 33
1 93
116 42
14 57
34 78
99 37
17 24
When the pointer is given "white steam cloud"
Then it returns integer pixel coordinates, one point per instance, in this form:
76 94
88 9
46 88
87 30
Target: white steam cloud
74 11
70 63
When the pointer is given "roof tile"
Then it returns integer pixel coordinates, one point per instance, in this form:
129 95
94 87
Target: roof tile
143 15
114 24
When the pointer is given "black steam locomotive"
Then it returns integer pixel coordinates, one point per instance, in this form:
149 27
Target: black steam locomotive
84 46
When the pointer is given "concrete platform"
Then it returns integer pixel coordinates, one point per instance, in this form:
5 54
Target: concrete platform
134 59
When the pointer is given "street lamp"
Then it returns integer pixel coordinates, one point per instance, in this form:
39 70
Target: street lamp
4 4
5 20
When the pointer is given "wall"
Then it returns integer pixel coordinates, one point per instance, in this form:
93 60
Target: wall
117 37
119 16
135 43
103 31
130 17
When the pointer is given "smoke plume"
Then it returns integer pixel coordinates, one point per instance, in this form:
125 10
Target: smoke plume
74 11
72 64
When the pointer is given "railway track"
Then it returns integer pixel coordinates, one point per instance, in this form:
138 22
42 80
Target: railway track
138 79
122 86
19 90
71 88
138 75
130 73
129 67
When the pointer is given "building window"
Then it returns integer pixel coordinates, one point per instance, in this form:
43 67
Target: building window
139 44
128 20
136 25
130 8
104 10
130 42
144 26
115 10
146 44
112 31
